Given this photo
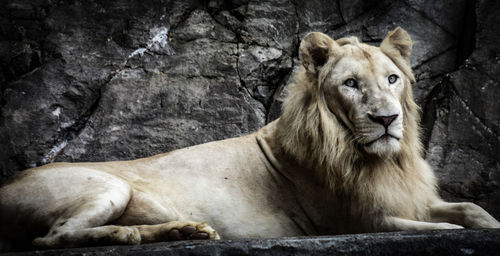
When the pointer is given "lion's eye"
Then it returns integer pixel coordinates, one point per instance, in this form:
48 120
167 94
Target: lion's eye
393 78
351 83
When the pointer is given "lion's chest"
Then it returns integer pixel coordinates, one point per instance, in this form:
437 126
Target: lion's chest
389 193
359 204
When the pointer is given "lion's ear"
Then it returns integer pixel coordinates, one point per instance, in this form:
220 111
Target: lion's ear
315 49
397 45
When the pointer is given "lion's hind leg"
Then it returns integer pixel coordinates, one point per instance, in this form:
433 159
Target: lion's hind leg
77 231
85 227
81 222
85 230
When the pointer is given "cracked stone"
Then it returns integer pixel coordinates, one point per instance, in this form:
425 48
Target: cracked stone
271 23
261 67
435 10
180 112
353 9
226 19
464 144
317 16
460 144
423 88
201 25
35 127
440 64
281 92
430 40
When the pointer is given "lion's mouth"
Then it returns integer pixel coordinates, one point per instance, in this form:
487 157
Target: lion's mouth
384 136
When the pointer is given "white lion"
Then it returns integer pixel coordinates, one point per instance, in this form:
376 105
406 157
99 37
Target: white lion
345 157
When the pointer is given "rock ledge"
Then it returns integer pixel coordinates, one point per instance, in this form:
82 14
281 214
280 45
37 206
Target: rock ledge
454 242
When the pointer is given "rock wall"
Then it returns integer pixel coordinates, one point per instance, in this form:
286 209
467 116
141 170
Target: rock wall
114 80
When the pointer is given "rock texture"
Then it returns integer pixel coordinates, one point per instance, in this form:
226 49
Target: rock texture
111 80
439 243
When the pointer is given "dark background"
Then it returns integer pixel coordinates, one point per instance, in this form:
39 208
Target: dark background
112 80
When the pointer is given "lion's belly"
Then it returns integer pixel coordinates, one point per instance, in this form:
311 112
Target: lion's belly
234 209
228 184
232 213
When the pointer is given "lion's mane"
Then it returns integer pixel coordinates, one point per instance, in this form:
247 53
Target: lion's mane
318 139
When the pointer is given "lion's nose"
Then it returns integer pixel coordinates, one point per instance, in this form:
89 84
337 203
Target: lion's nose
383 120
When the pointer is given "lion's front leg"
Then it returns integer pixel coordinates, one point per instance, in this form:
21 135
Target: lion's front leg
466 214
400 224
176 230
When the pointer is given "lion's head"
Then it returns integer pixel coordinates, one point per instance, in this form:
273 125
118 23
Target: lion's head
352 99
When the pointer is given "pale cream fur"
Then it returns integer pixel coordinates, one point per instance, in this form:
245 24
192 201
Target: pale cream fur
324 167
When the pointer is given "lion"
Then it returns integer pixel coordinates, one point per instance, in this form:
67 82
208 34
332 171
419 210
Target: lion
344 157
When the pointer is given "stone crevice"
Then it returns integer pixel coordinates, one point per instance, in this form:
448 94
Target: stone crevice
276 90
242 82
235 31
67 134
437 98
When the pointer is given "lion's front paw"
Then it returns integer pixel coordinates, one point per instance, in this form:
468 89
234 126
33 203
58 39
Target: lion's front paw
477 217
193 231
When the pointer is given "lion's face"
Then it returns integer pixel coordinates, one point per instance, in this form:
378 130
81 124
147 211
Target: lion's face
365 87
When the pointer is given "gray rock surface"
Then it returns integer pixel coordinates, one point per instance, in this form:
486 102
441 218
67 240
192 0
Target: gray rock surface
439 243
115 80
463 116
